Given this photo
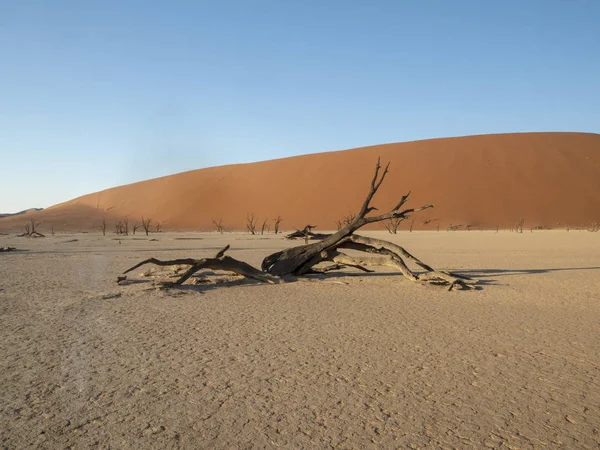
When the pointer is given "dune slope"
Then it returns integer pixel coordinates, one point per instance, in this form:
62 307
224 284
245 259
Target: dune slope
548 179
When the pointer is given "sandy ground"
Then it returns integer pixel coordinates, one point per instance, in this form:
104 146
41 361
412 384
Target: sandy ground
369 361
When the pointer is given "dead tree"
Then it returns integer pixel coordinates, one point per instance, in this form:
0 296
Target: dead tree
103 227
135 228
119 227
348 219
218 225
520 226
306 233
126 226
277 221
412 222
158 227
31 229
392 224
219 262
264 226
251 220
146 224
301 260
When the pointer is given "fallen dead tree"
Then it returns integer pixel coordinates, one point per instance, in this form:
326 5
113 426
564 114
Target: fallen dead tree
302 260
7 249
219 262
306 234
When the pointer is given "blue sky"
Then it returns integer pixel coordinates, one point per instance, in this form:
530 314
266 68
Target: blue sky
95 94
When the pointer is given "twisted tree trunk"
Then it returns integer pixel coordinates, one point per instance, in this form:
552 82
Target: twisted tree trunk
301 260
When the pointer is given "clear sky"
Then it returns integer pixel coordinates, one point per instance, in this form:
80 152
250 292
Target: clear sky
95 94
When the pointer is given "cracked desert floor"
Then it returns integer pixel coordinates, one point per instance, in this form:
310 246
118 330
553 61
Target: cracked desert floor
347 360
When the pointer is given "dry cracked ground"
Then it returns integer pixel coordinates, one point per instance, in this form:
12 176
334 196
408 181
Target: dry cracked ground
348 360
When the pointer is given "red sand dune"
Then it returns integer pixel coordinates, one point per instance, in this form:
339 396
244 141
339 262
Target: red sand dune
549 179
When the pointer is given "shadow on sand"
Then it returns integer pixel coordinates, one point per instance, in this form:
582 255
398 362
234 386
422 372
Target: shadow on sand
485 276
484 273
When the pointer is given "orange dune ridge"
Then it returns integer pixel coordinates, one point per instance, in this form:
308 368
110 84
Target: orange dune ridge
547 179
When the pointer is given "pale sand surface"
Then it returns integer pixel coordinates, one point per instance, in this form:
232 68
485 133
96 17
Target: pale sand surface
370 361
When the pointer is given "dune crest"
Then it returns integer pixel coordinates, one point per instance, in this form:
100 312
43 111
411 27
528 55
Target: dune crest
548 179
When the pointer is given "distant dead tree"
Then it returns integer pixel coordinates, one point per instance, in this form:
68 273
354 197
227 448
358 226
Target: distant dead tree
346 220
251 220
218 225
103 226
146 224
277 221
158 227
264 226
594 227
412 222
52 230
519 228
393 223
119 227
427 220
135 227
126 226
307 234
31 229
